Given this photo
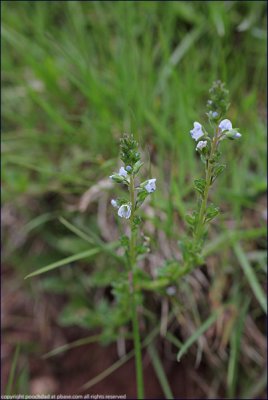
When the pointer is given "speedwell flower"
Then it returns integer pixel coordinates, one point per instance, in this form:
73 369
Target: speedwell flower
124 211
122 172
225 125
201 145
120 177
197 132
150 185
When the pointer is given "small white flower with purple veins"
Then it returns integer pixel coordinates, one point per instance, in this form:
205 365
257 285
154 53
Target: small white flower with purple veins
114 203
225 125
124 211
122 172
201 145
150 185
197 132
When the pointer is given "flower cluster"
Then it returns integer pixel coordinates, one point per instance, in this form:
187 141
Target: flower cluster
208 148
225 130
131 157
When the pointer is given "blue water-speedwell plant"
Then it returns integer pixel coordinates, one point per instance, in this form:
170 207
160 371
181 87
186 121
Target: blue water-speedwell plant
127 208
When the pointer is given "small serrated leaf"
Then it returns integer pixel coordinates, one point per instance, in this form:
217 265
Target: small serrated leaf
141 197
218 169
199 185
211 212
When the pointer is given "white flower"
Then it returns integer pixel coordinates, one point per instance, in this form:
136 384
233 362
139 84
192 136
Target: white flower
225 125
124 211
150 185
122 172
201 145
197 132
114 203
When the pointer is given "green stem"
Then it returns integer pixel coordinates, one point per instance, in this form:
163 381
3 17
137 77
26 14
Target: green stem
135 322
201 221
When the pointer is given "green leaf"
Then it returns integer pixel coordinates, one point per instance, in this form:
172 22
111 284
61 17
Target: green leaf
137 167
218 169
251 276
199 185
192 219
64 261
141 197
211 212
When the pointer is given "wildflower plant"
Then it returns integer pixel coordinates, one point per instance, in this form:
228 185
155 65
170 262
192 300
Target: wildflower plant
208 147
127 208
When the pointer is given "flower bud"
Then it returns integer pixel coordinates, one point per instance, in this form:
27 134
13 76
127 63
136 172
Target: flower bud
117 178
232 134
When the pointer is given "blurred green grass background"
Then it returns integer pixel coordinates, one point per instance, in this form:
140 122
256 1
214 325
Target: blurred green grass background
76 75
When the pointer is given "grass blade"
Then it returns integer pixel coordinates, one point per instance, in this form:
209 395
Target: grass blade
257 388
183 47
118 363
108 371
76 230
108 248
68 346
234 351
192 339
12 371
123 359
227 238
251 276
64 261
160 372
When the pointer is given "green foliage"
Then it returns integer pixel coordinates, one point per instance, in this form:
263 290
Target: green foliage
70 92
129 152
199 185
211 212
217 170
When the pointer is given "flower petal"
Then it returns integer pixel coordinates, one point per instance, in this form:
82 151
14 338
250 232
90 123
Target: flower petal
225 125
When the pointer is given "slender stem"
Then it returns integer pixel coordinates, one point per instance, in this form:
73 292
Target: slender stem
135 322
203 206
